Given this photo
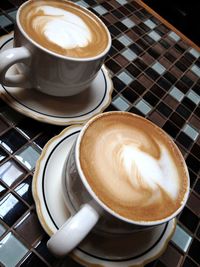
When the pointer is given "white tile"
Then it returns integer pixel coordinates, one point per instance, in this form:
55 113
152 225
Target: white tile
125 77
100 10
122 2
174 36
82 3
155 36
120 103
181 238
194 52
128 23
150 24
196 70
193 97
159 68
125 40
176 93
190 131
143 106
129 54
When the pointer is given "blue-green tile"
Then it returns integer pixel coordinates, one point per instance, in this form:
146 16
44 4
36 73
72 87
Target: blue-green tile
128 23
28 156
120 103
143 106
150 24
194 52
176 93
196 70
181 238
193 97
100 10
129 54
159 68
125 77
174 36
155 36
122 2
125 40
190 131
4 21
11 250
2 230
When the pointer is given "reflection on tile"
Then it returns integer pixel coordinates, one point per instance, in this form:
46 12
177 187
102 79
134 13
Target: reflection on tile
28 156
174 36
12 116
3 154
30 221
11 250
143 106
42 249
128 23
32 260
120 103
2 230
176 93
194 97
12 140
2 190
3 126
181 238
150 24
24 190
125 77
194 52
26 127
11 209
129 54
190 131
100 10
10 172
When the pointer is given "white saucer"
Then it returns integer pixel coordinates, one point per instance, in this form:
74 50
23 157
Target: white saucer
57 110
135 249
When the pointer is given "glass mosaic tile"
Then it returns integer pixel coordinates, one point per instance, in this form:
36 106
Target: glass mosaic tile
150 24
125 77
12 140
122 2
194 250
12 116
24 190
11 172
176 93
159 68
143 106
190 131
174 36
196 70
42 249
4 21
189 219
11 209
3 126
128 23
194 52
128 54
2 190
13 14
82 3
189 263
193 97
30 221
125 40
3 155
10 245
25 127
155 36
28 156
100 10
2 230
32 260
120 103
181 238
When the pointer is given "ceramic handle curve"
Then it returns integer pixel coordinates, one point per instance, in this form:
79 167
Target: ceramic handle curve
73 231
8 58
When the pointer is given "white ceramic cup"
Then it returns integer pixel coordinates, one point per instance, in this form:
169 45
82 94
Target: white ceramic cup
88 211
45 70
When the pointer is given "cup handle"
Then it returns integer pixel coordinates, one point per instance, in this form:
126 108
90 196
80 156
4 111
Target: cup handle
8 58
73 231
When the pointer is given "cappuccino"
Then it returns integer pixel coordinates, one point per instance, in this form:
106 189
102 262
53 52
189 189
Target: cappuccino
64 28
133 167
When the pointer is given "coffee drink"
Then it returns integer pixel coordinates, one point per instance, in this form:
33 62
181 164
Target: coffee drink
133 167
64 28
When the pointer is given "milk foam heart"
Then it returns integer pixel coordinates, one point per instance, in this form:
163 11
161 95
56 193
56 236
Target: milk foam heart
64 28
133 167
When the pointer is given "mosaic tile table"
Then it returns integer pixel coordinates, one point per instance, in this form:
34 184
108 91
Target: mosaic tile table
156 74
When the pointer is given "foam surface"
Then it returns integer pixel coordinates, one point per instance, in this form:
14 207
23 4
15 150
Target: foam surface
132 167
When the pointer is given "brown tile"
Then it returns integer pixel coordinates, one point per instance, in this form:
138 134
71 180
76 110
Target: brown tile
132 35
194 203
159 48
157 119
165 62
121 60
148 59
30 229
170 101
192 76
145 81
114 3
195 121
183 44
171 257
182 149
3 126
135 19
176 72
175 53
110 18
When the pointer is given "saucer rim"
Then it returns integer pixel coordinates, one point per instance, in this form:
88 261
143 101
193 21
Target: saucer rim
46 150
56 120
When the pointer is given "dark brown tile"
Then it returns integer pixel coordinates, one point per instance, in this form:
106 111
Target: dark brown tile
191 75
3 126
148 59
30 229
122 61
165 62
195 121
194 203
110 18
176 72
171 102
157 119
171 257
145 81
132 35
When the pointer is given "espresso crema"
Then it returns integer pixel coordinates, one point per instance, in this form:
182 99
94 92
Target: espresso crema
133 167
64 28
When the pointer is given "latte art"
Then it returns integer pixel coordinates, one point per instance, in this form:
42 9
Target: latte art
133 167
64 28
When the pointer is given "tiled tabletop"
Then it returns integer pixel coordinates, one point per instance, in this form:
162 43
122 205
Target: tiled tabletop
156 74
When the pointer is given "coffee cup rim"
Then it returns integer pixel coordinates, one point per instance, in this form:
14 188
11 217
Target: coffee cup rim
85 59
104 206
